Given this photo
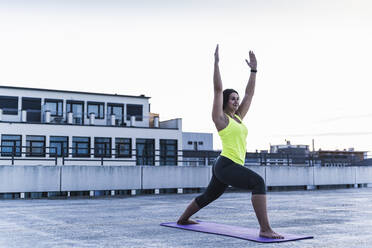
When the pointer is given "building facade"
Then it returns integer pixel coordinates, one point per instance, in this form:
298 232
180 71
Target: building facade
37 125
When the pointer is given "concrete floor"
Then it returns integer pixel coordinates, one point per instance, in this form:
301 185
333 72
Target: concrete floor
337 218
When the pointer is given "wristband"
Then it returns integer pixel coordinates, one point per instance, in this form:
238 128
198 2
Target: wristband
252 70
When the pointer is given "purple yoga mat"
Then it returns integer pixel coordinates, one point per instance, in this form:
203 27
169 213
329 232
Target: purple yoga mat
234 231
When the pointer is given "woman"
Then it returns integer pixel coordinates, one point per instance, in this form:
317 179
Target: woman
229 168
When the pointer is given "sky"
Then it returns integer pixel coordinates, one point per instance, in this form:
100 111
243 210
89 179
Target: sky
313 79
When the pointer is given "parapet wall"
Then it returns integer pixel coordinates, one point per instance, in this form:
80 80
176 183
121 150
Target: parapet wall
16 179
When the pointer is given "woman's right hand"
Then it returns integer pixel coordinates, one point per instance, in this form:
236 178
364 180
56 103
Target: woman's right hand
216 56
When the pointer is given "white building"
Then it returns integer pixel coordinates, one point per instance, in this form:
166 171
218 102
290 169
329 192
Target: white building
197 147
197 141
70 127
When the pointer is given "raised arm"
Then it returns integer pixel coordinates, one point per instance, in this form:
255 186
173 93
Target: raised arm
218 117
249 90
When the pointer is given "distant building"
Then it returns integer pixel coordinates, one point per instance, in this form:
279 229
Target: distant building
289 154
197 141
294 150
300 154
341 158
198 148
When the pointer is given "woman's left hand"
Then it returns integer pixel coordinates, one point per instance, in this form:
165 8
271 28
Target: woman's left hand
252 63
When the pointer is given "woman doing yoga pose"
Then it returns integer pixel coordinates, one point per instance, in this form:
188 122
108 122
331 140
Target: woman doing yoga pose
228 168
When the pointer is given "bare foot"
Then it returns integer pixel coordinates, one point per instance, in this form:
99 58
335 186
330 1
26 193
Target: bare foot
270 234
186 222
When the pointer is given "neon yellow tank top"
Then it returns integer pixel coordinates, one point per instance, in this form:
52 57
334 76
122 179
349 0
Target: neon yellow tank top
233 138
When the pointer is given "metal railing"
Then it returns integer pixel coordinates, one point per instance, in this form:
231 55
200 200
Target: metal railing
78 117
28 153
62 155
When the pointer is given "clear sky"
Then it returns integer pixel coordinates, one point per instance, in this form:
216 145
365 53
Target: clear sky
314 58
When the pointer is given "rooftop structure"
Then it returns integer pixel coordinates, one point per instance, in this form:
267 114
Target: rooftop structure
197 141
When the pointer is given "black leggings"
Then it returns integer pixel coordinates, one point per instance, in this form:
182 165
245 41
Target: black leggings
224 173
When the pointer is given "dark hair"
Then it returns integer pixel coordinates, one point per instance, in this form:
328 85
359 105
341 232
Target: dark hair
226 95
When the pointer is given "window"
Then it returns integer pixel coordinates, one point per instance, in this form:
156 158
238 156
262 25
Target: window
54 106
117 110
35 146
200 142
189 142
145 151
33 108
11 145
81 146
9 105
168 152
58 146
97 108
195 145
123 147
102 147
77 108
134 110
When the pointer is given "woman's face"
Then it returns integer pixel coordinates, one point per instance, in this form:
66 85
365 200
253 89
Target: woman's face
233 102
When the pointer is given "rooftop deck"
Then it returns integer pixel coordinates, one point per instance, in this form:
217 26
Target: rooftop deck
336 218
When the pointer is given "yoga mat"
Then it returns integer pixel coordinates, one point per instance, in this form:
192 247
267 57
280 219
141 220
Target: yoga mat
234 231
